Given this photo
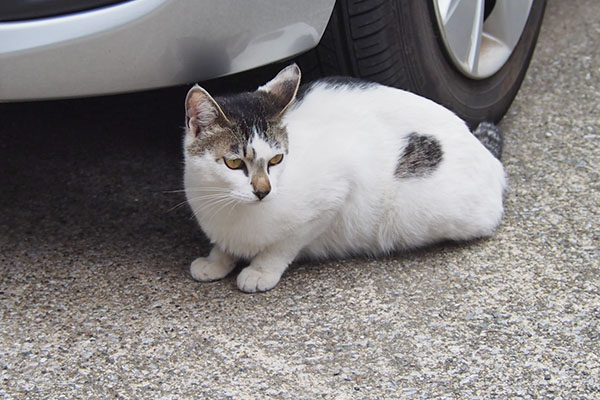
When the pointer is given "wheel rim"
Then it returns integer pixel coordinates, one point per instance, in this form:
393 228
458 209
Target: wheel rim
480 35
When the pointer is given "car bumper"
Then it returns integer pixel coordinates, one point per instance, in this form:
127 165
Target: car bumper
143 44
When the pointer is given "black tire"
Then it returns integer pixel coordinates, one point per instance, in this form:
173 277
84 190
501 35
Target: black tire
397 43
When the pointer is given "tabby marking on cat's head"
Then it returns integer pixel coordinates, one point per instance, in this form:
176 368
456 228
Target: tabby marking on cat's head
239 142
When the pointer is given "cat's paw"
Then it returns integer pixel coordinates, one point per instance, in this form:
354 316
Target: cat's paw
204 269
252 280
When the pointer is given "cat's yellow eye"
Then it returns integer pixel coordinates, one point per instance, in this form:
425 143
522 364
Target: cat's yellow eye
276 160
234 163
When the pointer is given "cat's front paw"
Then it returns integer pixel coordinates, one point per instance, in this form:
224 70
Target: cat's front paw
204 269
252 280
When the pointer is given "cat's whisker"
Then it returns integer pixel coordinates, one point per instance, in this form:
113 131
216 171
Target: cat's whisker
173 191
223 203
178 205
188 201
220 205
211 188
215 189
233 205
197 210
212 201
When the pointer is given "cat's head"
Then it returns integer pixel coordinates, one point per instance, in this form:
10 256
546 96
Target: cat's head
237 144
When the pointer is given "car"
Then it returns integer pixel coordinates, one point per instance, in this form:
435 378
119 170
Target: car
469 55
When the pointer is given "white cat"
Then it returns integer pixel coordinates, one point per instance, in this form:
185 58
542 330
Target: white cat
336 168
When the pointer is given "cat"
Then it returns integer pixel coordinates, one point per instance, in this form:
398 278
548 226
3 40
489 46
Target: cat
335 168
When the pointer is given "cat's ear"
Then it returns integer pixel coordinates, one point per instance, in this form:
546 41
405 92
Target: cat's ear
201 111
284 87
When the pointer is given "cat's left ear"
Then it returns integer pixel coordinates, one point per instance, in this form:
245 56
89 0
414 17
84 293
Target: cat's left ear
284 87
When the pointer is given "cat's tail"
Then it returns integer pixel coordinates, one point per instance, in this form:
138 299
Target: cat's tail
490 136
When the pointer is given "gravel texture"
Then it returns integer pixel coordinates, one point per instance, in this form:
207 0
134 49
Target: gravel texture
96 300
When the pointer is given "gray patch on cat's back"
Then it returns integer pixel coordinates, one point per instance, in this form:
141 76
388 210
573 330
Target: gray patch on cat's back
420 156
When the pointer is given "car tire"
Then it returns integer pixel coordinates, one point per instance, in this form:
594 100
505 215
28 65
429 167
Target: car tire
399 43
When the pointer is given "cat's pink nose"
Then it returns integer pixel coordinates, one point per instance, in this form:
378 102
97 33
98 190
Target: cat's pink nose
261 194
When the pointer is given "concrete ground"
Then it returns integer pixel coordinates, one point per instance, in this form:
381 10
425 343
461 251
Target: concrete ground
96 300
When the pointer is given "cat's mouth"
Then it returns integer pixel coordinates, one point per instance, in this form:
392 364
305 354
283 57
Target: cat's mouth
257 200
251 199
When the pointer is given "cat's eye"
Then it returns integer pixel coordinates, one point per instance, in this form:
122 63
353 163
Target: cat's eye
276 160
234 163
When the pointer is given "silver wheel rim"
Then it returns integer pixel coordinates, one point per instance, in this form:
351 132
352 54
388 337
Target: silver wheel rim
480 46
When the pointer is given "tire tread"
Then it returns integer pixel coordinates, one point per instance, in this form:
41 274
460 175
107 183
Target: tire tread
392 42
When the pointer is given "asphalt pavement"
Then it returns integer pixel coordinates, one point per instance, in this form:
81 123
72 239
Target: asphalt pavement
96 300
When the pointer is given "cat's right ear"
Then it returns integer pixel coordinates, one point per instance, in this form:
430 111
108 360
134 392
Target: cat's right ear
201 111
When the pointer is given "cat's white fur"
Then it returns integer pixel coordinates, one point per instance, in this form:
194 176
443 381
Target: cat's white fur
335 194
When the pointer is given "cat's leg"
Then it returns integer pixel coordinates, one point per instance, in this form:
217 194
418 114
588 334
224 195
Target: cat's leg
216 266
266 268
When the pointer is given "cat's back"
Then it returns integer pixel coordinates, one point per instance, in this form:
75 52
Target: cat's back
414 172
342 107
361 124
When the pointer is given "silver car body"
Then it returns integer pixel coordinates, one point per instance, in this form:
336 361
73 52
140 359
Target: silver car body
143 44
